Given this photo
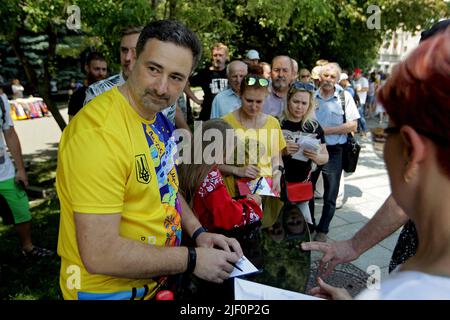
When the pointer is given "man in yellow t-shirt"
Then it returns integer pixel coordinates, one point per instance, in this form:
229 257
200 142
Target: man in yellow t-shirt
121 213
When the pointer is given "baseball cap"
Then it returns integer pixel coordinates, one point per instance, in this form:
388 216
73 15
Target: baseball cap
252 54
315 73
357 71
344 76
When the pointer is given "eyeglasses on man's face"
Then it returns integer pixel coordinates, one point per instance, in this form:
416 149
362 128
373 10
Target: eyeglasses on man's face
251 81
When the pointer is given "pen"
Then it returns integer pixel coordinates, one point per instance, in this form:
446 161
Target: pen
257 185
234 265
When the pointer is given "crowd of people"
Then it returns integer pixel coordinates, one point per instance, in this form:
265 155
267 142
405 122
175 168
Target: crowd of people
133 216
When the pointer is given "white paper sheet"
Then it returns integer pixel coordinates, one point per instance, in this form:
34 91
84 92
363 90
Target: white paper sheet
306 141
264 188
246 266
248 290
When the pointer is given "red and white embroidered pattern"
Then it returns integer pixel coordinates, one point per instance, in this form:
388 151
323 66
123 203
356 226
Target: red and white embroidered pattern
210 183
253 217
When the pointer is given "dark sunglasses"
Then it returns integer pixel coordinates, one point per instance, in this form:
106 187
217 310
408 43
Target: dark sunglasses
438 139
297 85
305 76
251 81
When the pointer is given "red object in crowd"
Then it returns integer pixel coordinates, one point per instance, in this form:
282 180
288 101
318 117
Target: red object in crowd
165 295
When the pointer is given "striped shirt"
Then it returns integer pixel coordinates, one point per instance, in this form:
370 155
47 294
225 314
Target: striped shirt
104 85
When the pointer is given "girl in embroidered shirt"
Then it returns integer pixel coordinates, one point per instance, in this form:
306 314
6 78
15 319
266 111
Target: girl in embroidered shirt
204 189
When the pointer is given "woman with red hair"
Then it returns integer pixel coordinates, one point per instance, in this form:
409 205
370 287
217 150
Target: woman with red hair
417 153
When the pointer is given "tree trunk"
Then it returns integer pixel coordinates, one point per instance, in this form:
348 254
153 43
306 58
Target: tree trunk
172 9
154 4
41 86
49 64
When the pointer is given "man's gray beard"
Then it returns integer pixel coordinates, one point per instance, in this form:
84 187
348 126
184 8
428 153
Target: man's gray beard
327 85
277 84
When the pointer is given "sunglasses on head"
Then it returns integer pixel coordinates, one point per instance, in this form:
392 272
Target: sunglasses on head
297 85
251 81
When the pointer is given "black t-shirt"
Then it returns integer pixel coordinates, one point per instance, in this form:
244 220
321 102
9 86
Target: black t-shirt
297 170
76 101
212 82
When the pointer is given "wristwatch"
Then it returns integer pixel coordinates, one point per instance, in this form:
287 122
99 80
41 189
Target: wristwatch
198 232
192 260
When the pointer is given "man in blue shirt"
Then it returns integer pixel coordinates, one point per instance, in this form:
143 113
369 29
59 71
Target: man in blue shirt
229 100
330 115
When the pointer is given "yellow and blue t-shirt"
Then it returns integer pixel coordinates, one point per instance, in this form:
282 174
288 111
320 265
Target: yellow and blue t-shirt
111 160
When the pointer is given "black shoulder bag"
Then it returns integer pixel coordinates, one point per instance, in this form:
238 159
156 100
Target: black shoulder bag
350 154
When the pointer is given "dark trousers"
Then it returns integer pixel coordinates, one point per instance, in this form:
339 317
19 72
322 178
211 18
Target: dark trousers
331 174
314 177
362 126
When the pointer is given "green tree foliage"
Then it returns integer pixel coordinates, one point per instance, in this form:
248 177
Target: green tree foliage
101 22
304 29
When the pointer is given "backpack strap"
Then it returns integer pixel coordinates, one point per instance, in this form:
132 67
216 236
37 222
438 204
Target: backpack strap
342 98
2 106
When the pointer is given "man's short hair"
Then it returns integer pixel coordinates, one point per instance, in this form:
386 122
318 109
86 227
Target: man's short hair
94 56
131 30
171 31
220 45
334 66
322 62
284 57
235 62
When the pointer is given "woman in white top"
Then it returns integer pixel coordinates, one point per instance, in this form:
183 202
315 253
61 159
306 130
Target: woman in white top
417 153
17 89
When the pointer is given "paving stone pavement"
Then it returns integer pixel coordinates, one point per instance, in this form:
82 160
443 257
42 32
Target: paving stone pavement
365 192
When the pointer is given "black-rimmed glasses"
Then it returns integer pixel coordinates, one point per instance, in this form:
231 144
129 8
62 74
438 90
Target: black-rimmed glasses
251 81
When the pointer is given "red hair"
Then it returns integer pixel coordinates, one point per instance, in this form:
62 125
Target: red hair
418 93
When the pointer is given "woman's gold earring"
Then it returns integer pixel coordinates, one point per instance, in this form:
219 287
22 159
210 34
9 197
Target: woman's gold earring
406 163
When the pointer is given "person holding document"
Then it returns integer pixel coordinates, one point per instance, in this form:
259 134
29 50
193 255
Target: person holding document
305 140
204 189
262 137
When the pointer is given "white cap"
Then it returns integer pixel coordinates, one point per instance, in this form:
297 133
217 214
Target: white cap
252 54
344 76
315 72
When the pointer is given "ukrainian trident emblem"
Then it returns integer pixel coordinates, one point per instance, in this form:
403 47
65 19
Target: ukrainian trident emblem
142 170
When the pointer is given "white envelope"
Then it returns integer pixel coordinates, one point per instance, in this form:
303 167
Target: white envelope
248 290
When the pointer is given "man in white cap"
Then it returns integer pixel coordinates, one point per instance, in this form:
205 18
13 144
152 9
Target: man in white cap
345 83
315 76
252 57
